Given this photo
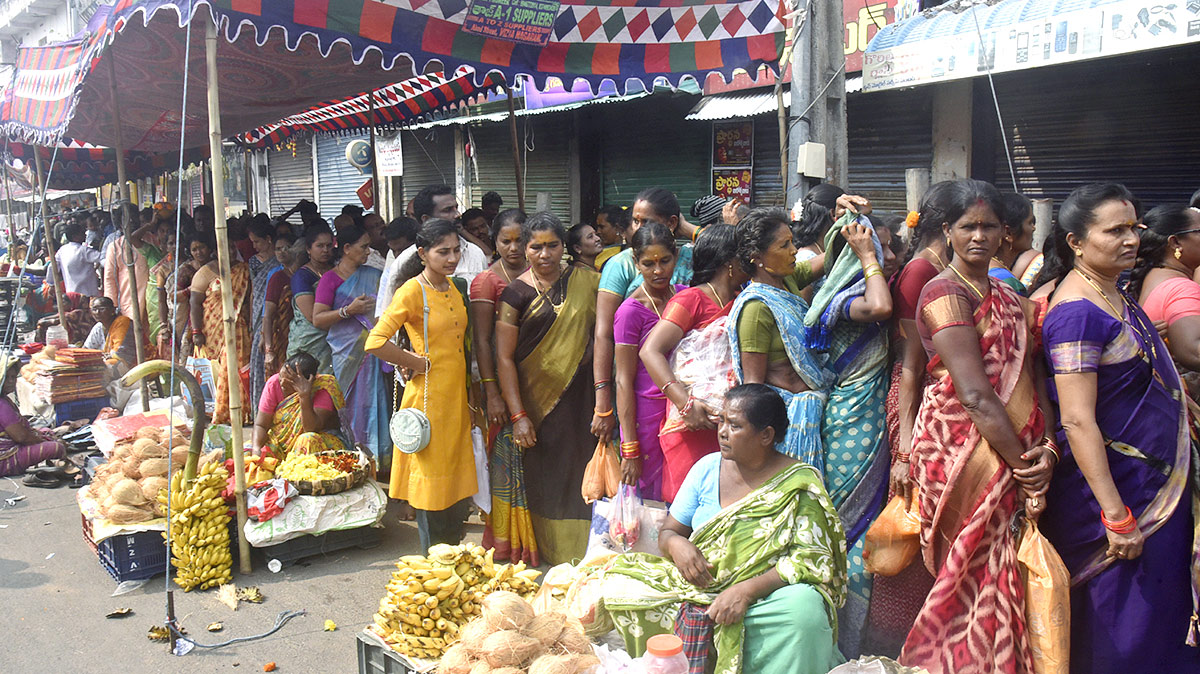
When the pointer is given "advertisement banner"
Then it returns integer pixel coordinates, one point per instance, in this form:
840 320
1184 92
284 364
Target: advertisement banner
528 21
733 183
1107 29
389 155
733 144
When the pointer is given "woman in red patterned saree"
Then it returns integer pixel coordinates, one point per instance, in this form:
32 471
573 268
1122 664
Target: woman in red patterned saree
979 451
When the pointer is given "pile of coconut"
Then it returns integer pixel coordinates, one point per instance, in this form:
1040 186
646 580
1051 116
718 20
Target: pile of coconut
510 639
126 487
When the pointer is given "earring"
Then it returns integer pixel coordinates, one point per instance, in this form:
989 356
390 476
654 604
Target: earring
730 270
1078 252
1178 253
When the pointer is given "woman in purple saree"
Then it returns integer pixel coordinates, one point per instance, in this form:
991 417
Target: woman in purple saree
1120 506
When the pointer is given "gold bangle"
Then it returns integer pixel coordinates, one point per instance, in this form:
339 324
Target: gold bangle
873 272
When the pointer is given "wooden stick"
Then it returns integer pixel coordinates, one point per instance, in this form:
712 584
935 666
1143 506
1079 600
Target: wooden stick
375 189
223 266
51 262
516 150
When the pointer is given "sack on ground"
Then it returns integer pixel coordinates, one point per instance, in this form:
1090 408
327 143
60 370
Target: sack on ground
894 539
1047 602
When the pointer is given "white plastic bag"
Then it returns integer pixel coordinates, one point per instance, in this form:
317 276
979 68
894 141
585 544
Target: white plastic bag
483 486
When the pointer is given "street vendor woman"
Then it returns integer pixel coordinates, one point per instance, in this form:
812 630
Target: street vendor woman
754 556
20 445
112 334
298 410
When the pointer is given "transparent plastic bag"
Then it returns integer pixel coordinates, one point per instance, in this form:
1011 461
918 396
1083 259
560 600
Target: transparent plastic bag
624 518
703 362
894 538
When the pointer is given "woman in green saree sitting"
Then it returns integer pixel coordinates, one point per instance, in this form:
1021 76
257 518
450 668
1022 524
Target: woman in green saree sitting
753 550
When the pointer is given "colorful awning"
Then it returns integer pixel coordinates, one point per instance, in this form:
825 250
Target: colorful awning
279 56
81 166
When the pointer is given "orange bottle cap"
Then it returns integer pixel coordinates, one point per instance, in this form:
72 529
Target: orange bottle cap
664 645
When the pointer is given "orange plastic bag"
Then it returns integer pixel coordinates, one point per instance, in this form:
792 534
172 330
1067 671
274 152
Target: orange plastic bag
602 475
1047 602
894 538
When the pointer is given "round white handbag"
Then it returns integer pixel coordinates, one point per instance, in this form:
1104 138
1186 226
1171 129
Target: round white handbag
409 427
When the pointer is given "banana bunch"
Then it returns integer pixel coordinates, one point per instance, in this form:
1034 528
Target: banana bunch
199 529
430 598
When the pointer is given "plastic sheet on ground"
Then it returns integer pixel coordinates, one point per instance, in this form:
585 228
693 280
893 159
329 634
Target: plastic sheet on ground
315 515
108 432
876 665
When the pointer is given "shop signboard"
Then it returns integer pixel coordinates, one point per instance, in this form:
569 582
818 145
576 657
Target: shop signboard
1106 29
733 183
862 20
389 155
733 144
527 21
366 194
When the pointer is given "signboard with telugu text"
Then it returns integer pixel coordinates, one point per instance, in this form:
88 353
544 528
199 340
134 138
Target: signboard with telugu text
526 21
733 183
733 144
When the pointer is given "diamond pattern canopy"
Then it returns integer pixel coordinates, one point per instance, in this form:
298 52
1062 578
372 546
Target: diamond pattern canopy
81 166
279 56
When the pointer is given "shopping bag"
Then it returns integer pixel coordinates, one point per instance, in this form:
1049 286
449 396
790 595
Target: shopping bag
624 525
894 538
651 517
602 475
201 369
1047 602
483 485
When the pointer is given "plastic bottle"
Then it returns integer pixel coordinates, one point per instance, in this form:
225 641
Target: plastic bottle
664 655
56 335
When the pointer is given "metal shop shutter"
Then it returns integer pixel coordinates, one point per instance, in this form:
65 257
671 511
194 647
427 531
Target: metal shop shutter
290 176
547 166
767 185
428 159
888 132
337 180
648 143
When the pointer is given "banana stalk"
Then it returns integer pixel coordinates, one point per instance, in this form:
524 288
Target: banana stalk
199 419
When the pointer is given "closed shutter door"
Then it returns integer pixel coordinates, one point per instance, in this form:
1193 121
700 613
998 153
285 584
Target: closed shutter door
337 180
766 185
648 143
888 132
291 177
428 159
1129 119
547 163
196 190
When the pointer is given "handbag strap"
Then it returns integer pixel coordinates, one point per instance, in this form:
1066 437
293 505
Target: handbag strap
425 337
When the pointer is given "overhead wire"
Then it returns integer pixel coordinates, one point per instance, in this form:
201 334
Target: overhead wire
995 99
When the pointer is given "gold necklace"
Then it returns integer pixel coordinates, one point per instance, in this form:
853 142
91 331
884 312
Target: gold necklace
430 283
544 294
653 304
716 295
937 257
964 279
503 270
1121 315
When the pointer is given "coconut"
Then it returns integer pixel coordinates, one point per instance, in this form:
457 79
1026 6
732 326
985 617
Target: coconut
554 664
545 628
456 660
153 467
509 649
508 670
130 467
124 514
179 457
471 637
175 439
112 480
482 667
152 485
141 443
154 452
128 492
570 641
149 432
506 611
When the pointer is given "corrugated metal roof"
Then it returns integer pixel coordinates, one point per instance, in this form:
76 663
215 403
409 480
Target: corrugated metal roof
738 104
503 116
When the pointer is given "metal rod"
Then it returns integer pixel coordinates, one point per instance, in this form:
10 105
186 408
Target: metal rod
12 226
516 150
223 266
51 262
128 215
374 166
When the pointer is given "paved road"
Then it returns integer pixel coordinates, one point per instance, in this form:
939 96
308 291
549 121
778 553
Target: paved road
52 607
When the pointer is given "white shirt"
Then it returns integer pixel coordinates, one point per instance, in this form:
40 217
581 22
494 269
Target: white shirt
78 264
472 263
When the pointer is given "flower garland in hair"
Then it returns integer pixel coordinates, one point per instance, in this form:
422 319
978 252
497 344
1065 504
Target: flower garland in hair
911 220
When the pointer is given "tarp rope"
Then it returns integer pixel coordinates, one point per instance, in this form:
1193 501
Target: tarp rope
1012 170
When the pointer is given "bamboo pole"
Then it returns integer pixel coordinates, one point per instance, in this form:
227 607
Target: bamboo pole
127 216
516 150
12 226
223 265
51 262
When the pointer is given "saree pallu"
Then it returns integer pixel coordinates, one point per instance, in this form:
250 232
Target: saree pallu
258 304
359 374
787 524
281 328
974 617
856 460
509 526
1126 615
214 343
287 433
554 366
803 440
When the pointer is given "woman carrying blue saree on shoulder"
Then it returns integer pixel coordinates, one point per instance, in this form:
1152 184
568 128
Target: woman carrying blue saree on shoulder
766 334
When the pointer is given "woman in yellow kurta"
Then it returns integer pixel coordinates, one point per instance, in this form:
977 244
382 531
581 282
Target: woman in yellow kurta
438 480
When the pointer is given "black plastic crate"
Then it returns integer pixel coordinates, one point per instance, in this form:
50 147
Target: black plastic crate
79 409
332 541
376 657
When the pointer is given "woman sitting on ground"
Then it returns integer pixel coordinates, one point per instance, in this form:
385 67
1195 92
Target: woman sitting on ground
298 410
768 599
20 445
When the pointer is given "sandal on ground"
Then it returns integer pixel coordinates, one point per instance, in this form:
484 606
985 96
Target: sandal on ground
41 482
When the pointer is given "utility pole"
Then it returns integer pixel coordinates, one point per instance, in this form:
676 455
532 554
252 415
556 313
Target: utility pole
818 107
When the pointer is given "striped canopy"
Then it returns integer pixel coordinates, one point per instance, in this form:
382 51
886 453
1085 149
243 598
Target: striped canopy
81 166
280 56
394 105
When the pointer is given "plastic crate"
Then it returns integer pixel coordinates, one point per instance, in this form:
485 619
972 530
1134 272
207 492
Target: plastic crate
125 557
79 409
332 541
375 657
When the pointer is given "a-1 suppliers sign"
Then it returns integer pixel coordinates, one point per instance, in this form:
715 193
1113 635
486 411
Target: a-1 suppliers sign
528 21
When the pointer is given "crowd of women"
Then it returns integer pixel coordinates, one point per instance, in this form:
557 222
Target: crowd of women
774 378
